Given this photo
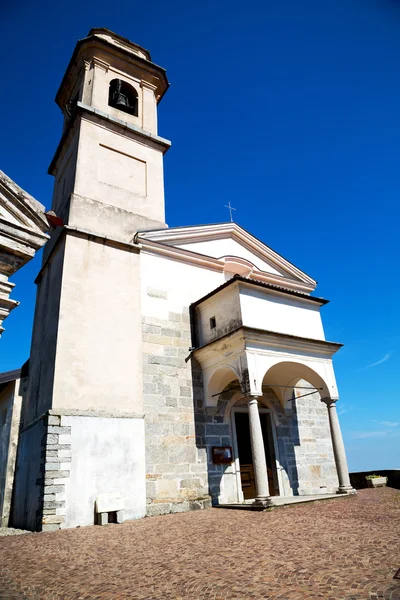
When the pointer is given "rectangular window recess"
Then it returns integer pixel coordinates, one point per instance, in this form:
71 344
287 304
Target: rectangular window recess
213 323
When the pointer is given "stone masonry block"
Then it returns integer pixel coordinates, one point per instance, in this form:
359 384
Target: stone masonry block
51 440
49 498
53 519
51 527
180 507
185 391
51 475
177 317
54 420
149 388
53 504
58 430
158 509
191 483
174 333
52 466
53 489
182 454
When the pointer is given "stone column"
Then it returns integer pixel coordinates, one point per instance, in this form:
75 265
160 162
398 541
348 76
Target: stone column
258 453
338 448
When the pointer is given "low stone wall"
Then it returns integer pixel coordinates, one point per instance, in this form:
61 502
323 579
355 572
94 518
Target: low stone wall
358 481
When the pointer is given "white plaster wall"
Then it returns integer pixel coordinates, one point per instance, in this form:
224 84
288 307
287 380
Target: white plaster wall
107 456
180 283
284 314
225 307
229 247
120 171
99 344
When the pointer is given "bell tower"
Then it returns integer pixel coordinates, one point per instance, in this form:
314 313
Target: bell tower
82 417
108 167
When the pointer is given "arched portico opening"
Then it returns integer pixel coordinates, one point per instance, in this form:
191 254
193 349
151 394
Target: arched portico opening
290 379
315 455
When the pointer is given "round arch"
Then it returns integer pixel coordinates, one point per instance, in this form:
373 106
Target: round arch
218 381
289 373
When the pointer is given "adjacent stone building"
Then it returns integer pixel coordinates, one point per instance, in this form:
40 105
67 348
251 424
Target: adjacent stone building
170 368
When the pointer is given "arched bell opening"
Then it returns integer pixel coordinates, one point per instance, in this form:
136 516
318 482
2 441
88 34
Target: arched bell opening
123 96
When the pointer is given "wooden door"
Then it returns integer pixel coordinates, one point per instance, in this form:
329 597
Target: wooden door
247 480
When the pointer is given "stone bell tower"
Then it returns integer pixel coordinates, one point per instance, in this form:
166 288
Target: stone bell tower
108 167
82 419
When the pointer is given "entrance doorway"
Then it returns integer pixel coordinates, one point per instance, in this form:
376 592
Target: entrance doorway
247 481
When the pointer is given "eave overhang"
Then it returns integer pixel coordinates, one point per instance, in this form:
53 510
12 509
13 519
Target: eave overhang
262 284
245 337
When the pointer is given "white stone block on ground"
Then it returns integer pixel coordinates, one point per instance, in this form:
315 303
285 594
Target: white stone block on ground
109 502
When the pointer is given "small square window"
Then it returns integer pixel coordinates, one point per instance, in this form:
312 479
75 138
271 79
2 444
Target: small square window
213 323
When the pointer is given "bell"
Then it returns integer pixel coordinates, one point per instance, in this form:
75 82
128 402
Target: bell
120 99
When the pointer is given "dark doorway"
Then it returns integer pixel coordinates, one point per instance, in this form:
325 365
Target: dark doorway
245 456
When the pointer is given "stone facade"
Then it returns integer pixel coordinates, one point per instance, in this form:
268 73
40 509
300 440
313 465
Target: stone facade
176 467
180 432
55 467
305 446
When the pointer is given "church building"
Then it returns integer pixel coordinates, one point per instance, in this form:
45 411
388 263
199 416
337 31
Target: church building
171 368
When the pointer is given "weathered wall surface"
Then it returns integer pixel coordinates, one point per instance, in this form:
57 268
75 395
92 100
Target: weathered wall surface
176 464
10 413
304 440
28 489
98 363
104 455
176 469
44 339
180 432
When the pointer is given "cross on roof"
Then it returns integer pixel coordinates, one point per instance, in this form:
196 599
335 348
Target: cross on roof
230 209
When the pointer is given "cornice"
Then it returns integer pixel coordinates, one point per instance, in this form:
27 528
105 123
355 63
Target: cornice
24 207
82 110
245 336
152 246
89 44
215 231
92 236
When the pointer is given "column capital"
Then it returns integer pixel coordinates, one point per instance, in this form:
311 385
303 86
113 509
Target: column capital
252 399
329 401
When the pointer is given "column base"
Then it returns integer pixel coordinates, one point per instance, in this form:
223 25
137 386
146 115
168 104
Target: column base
346 489
264 501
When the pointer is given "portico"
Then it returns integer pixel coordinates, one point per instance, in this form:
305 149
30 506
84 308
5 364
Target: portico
291 374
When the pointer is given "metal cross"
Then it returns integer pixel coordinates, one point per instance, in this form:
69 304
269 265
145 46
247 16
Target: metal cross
230 209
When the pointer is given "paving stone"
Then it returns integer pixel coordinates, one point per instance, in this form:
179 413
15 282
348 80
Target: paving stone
341 549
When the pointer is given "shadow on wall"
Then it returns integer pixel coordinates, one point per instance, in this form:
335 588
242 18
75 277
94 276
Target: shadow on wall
215 430
29 478
210 430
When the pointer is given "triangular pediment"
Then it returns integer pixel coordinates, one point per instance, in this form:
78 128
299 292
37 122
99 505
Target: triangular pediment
18 208
237 249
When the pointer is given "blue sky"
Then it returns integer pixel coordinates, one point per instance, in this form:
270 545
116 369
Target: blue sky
289 110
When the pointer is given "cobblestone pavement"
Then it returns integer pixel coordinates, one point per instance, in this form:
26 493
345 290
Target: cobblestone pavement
347 548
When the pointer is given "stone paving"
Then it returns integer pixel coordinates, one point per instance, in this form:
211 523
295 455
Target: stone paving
347 548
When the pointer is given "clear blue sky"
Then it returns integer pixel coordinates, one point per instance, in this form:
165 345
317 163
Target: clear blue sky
290 110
